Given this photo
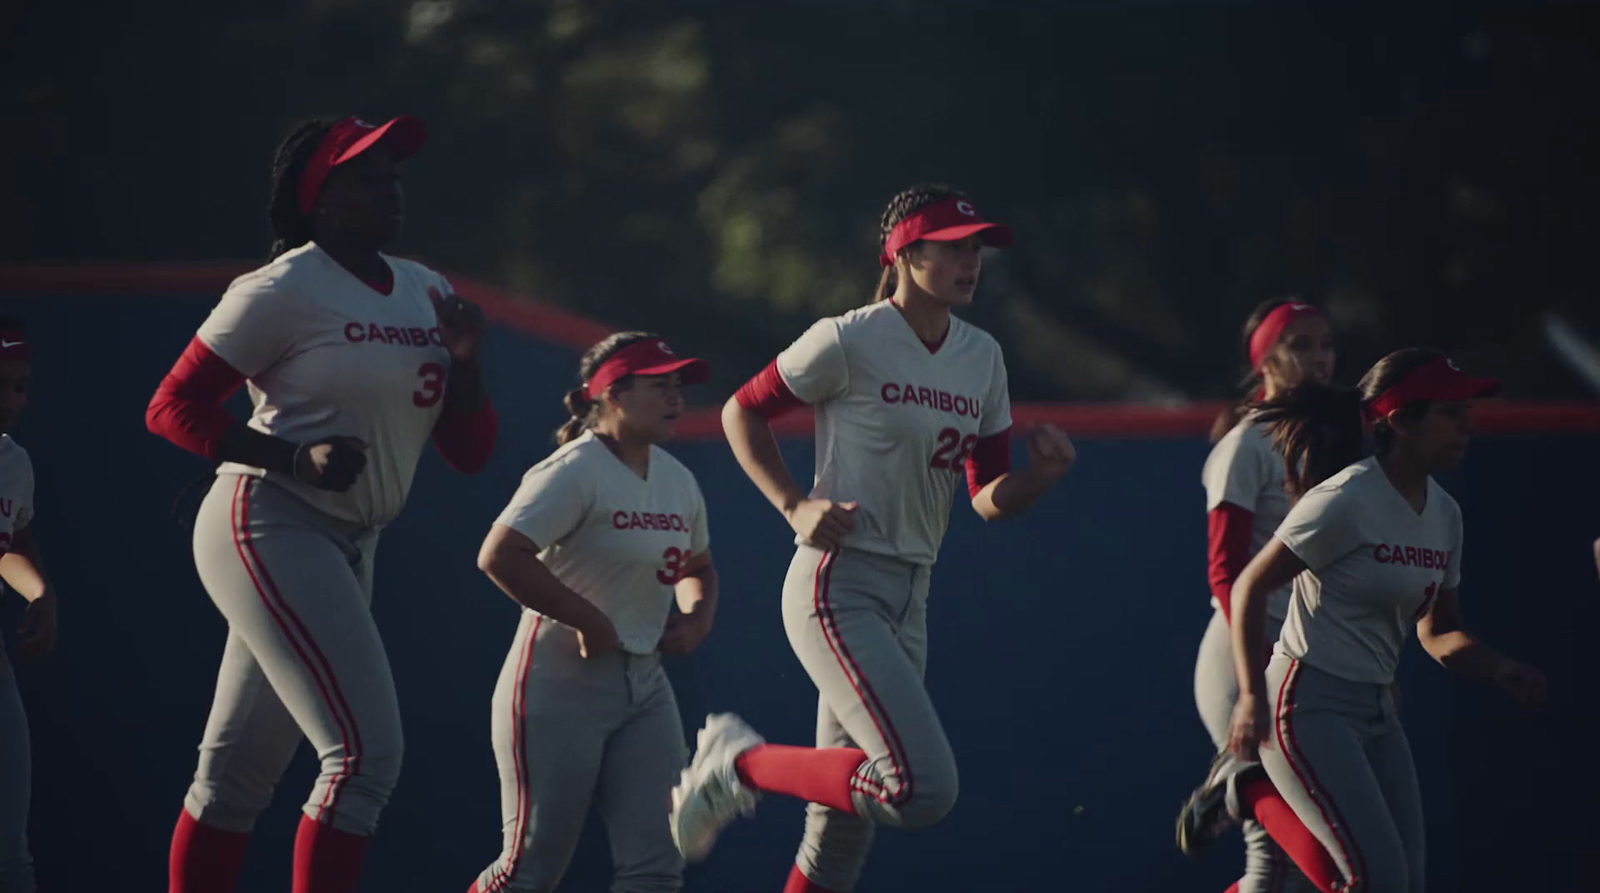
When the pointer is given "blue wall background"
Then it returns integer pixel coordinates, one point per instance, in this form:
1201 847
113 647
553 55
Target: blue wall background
1062 653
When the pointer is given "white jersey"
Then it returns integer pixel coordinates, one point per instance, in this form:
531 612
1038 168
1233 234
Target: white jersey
326 354
1374 567
16 491
1244 470
896 421
614 538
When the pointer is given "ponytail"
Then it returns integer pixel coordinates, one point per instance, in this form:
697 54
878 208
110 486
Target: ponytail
1317 429
887 283
582 410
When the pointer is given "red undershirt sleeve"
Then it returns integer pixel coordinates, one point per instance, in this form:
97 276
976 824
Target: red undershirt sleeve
990 458
766 394
187 407
1227 550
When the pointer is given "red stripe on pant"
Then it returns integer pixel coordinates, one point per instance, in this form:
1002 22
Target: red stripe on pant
1308 780
241 522
519 707
863 688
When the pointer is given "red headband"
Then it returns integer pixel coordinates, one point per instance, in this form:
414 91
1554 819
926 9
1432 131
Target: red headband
944 221
349 138
645 358
1439 379
13 345
1271 329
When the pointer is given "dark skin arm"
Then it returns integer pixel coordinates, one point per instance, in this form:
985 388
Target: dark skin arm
23 570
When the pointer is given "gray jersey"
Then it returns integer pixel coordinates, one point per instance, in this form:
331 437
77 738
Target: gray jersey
1244 470
1373 568
896 421
614 538
328 355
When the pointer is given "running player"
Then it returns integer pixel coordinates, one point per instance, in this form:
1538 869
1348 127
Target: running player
1371 549
22 569
907 396
1285 343
595 545
354 359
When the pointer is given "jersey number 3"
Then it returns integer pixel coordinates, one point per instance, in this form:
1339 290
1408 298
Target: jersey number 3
953 450
432 375
676 558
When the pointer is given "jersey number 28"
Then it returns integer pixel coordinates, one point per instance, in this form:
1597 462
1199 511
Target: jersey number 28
953 450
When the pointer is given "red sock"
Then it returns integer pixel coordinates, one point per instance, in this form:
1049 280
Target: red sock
799 883
1232 889
204 859
326 860
814 774
1283 826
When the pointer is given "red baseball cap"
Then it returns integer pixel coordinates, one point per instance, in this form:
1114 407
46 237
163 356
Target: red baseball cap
946 221
1438 379
349 138
650 357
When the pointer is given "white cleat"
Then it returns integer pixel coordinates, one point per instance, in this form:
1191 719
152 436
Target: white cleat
709 794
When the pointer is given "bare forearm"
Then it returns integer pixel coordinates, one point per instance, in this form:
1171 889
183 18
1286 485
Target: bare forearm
1011 493
756 448
696 594
530 584
23 569
247 446
1459 652
1248 632
465 391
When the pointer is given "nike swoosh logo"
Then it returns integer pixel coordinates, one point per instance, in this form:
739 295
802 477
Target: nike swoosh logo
9 343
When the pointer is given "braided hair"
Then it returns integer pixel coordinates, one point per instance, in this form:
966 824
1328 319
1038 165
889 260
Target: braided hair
907 202
291 227
583 409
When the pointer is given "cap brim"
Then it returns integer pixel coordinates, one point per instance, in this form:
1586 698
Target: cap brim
689 371
404 136
997 235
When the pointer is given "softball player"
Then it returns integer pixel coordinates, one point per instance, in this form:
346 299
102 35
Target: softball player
1285 344
907 397
595 545
1371 549
22 569
354 359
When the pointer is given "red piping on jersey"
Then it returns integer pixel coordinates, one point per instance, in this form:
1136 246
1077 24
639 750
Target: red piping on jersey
858 681
1308 780
990 458
466 439
187 406
241 520
767 395
1228 529
502 874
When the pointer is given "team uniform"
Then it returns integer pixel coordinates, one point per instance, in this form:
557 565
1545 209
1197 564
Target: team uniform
290 565
1340 756
897 422
571 731
16 865
1243 473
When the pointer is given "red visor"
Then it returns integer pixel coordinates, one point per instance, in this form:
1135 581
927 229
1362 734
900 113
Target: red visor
13 346
1271 329
352 136
645 358
1440 379
944 221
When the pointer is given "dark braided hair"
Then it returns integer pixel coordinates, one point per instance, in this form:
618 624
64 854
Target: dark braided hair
291 228
1318 428
1250 383
907 202
584 411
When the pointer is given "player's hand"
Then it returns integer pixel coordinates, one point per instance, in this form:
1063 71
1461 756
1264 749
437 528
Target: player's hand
1524 683
684 633
822 522
1247 730
597 641
36 637
333 463
1050 450
461 325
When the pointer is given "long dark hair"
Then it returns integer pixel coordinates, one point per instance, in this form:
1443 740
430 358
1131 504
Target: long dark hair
907 202
1250 382
291 227
584 410
1318 428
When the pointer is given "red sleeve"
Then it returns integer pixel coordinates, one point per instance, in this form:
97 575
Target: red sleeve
766 395
466 439
990 459
1227 550
187 407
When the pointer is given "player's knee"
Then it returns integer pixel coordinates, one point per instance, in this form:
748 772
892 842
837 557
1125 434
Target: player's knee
379 772
930 800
